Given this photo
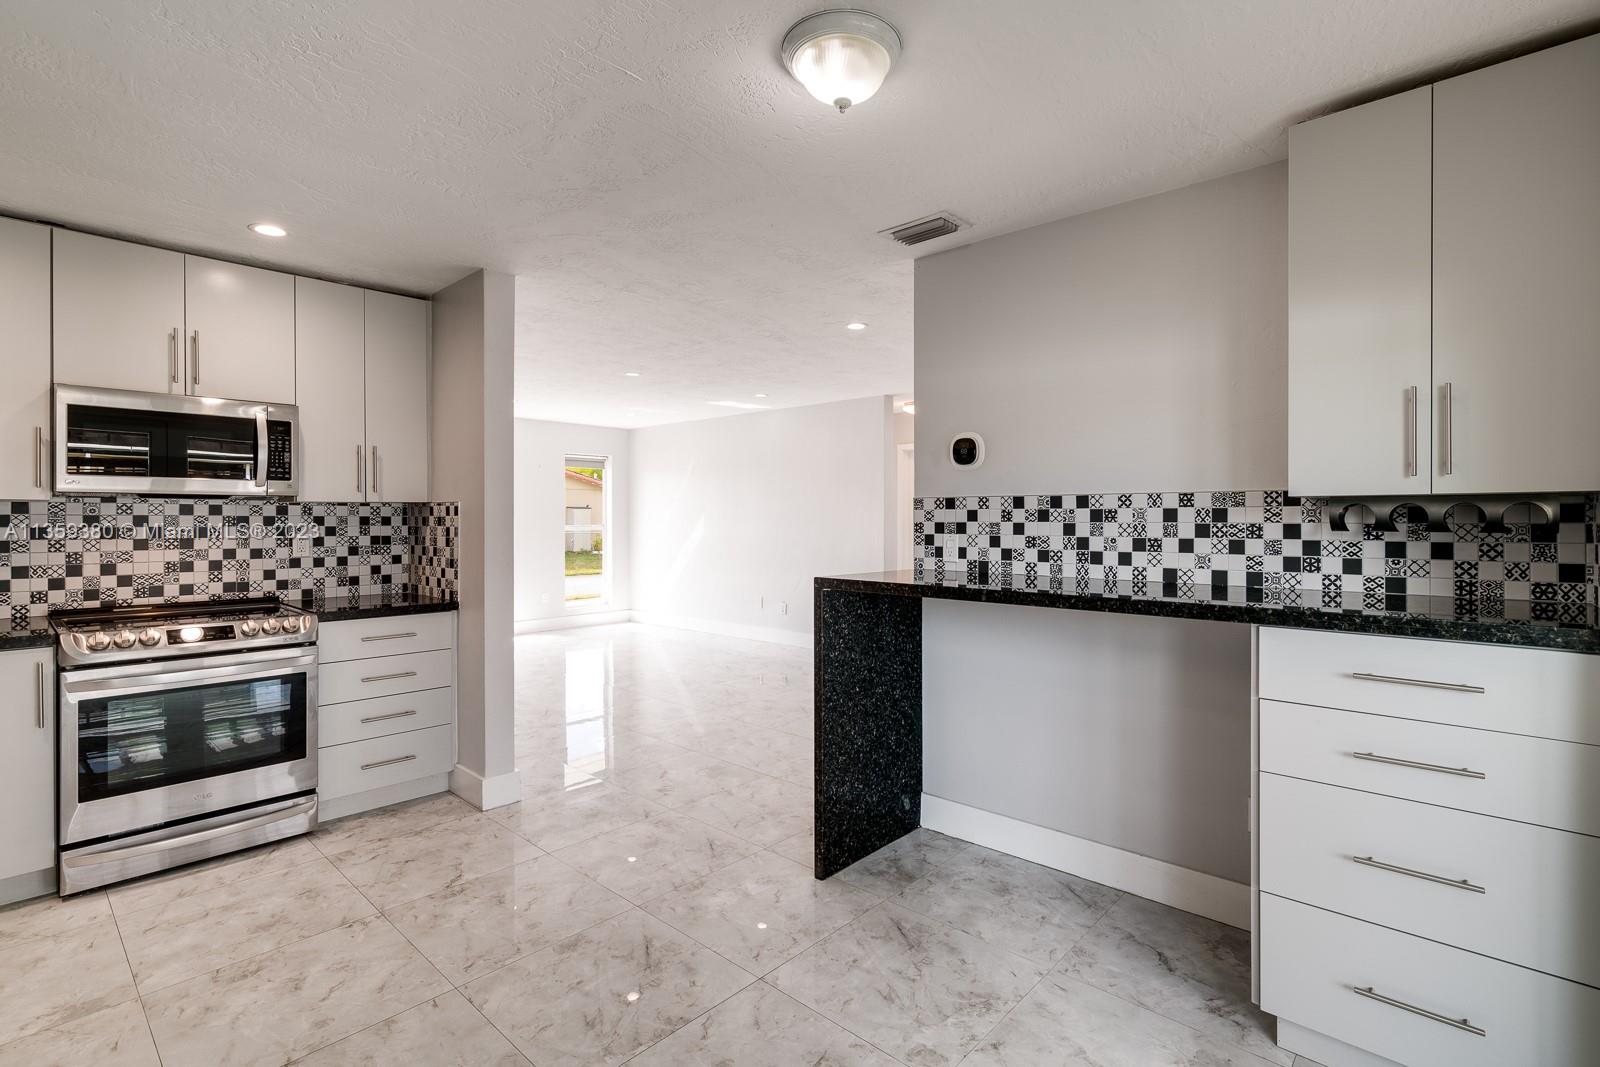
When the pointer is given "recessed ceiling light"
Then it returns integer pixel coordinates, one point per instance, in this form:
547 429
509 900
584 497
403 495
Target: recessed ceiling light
633 996
909 408
761 396
268 229
855 326
737 404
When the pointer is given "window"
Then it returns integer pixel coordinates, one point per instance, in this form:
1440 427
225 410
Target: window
587 504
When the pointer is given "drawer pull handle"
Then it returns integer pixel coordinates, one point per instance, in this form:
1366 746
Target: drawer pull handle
389 677
388 637
391 715
1453 883
1421 683
387 763
1396 761
1459 1024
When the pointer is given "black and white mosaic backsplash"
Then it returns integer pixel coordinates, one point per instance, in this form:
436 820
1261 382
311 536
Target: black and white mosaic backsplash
86 551
1262 540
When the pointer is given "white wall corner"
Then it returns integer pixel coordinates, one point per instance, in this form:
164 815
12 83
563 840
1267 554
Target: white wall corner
486 793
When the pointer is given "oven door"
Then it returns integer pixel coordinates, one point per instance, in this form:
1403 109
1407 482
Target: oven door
147 744
114 441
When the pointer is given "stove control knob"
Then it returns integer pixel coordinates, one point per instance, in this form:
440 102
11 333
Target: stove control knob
124 639
98 642
291 625
249 627
269 626
149 636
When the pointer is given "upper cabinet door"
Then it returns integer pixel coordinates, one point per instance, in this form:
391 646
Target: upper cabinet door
329 328
25 401
397 397
240 340
1359 291
118 314
1516 264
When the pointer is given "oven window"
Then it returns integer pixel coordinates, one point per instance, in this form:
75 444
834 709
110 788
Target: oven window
148 740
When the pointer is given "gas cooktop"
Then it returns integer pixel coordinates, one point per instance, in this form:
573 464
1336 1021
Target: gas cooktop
156 631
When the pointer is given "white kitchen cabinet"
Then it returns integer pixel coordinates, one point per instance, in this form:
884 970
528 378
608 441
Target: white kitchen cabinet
1516 276
27 770
329 338
397 397
117 314
25 402
240 331
1359 281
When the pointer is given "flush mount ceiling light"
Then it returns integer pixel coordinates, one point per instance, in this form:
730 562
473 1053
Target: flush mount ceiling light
268 229
630 374
855 326
841 56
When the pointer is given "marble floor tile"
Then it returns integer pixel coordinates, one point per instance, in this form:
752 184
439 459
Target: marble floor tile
117 1036
1010 903
684 779
761 911
654 855
1064 1022
605 994
801 772
802 848
1183 966
900 863
49 915
397 869
486 922
48 980
760 1025
200 932
173 885
360 831
755 747
919 990
286 1003
765 811
444 1032
562 819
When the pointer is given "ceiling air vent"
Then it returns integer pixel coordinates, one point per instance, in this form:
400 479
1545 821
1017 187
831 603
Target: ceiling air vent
920 230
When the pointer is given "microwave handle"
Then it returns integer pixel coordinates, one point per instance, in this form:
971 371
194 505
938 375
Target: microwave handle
261 448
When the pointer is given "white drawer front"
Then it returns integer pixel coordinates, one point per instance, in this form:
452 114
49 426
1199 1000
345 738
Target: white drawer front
1539 886
359 679
381 761
357 720
1312 961
388 636
1551 783
1533 691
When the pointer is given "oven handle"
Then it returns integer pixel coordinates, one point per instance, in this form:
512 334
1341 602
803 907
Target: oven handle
258 667
85 859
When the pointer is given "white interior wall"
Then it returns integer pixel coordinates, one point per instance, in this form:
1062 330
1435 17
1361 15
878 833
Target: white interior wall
733 517
541 451
1137 348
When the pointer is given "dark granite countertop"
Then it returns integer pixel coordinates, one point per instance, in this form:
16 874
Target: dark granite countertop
26 631
337 607
1439 618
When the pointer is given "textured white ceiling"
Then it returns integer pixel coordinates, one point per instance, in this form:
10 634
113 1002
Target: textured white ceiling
670 200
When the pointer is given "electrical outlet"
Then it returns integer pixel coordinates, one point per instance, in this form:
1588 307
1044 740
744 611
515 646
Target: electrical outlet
950 546
783 607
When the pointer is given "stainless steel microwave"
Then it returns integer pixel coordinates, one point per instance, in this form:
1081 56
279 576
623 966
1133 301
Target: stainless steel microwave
114 441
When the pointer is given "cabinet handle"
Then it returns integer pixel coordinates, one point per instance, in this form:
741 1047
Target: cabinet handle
38 694
387 762
361 469
389 677
1447 463
1421 683
392 715
172 354
1459 1024
389 637
377 485
194 361
38 457
1411 432
1395 761
1454 883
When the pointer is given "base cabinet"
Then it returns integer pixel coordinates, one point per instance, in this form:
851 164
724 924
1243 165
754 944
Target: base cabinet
27 772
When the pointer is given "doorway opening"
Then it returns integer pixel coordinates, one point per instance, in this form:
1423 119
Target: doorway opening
586 502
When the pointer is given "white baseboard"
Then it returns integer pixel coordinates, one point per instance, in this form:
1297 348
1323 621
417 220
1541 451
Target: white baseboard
726 629
485 793
1167 883
567 622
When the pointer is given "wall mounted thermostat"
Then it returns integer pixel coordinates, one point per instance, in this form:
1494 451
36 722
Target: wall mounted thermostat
966 450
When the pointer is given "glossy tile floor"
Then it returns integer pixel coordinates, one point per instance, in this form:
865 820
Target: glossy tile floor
649 901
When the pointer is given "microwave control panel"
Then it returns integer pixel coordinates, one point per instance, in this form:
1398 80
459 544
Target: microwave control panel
280 451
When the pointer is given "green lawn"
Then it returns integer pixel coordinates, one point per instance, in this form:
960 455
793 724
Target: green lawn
583 563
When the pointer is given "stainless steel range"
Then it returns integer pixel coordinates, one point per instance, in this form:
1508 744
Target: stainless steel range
187 731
